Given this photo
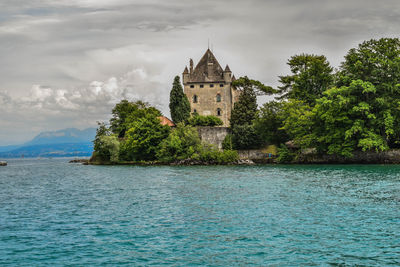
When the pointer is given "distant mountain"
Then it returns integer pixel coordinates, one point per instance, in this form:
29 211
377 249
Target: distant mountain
69 135
69 142
8 148
51 150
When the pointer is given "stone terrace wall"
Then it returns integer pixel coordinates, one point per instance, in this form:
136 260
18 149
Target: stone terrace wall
213 135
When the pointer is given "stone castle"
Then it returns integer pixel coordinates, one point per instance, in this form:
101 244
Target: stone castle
209 88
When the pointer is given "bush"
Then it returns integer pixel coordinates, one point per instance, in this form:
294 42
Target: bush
285 155
107 149
182 143
198 120
210 154
143 139
245 137
227 143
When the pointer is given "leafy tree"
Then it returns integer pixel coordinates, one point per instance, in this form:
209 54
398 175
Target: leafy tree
245 109
125 113
179 105
110 145
199 120
311 76
244 113
377 62
143 138
245 137
182 143
269 122
256 86
227 144
341 122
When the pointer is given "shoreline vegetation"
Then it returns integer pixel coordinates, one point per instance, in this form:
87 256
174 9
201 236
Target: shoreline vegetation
318 115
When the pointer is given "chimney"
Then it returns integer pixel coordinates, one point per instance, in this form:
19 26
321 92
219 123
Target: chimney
191 66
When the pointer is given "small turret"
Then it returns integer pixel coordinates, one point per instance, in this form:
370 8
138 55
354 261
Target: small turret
185 75
227 74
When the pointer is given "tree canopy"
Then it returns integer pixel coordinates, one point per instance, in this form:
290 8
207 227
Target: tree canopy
311 76
179 105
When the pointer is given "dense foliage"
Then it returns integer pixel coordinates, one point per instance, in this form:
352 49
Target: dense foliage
184 143
125 112
199 120
311 76
244 135
144 138
355 109
179 105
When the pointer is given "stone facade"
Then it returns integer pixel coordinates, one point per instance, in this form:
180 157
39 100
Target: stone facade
209 88
213 135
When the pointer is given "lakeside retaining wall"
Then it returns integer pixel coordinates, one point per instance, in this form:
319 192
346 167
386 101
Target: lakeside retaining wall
213 135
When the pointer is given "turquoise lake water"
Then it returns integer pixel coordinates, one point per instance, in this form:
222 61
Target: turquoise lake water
53 213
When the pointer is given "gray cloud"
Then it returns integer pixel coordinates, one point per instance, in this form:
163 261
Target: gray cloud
65 63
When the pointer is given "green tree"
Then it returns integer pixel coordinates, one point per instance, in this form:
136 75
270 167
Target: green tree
377 62
341 122
245 137
269 123
179 105
245 109
244 113
182 143
311 76
143 137
125 112
110 144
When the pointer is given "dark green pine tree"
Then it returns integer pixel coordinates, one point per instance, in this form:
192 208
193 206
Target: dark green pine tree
244 135
179 105
245 110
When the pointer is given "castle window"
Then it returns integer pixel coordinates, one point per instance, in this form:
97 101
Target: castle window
218 98
201 85
194 110
211 85
219 112
191 86
221 85
195 99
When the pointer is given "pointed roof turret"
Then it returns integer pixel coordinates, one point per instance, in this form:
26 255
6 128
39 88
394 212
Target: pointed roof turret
233 78
227 69
186 71
208 69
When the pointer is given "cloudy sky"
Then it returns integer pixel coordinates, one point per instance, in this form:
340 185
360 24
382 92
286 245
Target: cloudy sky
65 63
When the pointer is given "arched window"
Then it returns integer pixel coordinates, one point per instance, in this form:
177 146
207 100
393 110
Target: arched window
219 111
195 99
218 98
195 111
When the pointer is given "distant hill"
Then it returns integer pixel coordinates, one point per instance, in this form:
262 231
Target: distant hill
69 142
69 135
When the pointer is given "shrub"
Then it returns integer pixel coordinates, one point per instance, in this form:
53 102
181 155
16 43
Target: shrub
285 155
143 139
227 143
245 137
210 154
199 120
107 149
182 143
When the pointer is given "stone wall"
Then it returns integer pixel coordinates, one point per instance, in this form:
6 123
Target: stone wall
213 135
206 99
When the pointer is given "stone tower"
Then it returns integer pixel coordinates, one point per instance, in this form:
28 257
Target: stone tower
209 88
